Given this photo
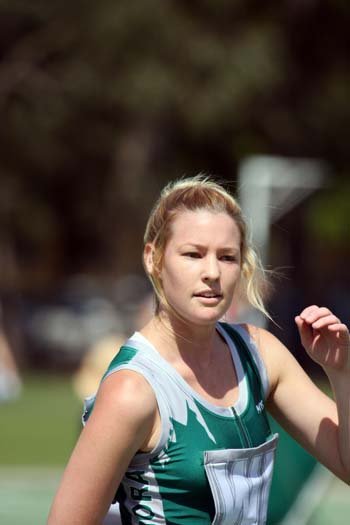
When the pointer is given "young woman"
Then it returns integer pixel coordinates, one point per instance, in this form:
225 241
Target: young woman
178 431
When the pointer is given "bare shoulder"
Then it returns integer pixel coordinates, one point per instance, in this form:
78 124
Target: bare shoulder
265 341
121 423
126 410
273 352
128 395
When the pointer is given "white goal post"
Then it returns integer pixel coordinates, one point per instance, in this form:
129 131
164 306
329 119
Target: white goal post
269 187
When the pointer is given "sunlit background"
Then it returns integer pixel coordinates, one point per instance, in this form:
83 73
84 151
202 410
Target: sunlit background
101 104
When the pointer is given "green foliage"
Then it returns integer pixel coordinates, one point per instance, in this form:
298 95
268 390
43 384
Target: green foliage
103 102
328 215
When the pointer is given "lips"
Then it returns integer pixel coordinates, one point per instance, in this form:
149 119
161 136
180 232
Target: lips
208 294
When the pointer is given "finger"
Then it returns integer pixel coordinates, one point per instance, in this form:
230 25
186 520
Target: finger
327 320
307 311
299 321
316 314
341 328
305 331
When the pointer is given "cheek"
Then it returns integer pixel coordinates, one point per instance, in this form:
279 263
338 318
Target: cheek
238 274
177 277
169 277
173 280
234 279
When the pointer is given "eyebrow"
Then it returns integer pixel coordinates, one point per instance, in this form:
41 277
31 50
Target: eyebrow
233 249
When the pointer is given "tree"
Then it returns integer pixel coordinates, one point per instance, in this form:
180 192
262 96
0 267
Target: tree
101 103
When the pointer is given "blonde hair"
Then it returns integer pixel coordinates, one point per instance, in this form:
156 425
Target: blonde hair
202 193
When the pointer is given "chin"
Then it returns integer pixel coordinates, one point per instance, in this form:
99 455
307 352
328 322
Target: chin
200 317
207 318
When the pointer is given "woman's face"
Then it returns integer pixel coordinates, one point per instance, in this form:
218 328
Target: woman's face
201 265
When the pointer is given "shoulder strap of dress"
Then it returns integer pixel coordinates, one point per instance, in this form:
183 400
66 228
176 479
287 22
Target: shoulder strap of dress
130 358
242 345
124 356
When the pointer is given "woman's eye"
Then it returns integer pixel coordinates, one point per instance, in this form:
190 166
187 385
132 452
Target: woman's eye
193 255
229 258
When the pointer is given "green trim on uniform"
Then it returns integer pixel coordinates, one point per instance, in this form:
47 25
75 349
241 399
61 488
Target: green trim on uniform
123 357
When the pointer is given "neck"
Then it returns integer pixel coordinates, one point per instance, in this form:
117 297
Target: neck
179 337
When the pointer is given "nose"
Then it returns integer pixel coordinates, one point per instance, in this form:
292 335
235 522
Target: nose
211 269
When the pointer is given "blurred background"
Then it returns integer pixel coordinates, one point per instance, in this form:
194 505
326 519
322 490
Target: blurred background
101 105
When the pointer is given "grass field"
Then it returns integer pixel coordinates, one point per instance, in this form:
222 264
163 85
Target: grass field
38 432
41 426
26 494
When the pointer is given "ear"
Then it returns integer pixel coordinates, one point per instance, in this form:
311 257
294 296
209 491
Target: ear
148 258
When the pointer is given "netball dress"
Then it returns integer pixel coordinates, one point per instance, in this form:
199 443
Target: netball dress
211 465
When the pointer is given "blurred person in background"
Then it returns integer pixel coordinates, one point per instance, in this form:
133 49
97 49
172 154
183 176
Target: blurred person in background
178 431
94 364
96 360
10 381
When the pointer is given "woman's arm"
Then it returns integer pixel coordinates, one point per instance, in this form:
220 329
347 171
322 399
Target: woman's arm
319 424
124 420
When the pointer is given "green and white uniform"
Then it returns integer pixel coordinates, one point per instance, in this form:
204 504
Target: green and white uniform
212 465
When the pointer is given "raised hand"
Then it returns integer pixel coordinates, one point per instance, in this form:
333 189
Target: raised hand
325 338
